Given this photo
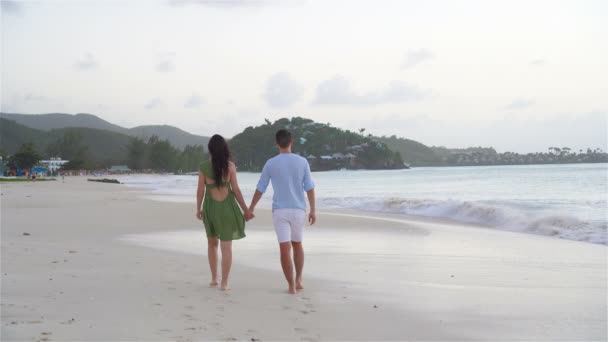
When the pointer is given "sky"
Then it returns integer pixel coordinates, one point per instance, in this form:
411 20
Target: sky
520 76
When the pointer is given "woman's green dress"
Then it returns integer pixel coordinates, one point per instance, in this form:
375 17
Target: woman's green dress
222 219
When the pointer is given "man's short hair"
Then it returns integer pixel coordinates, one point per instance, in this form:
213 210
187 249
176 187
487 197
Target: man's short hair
283 138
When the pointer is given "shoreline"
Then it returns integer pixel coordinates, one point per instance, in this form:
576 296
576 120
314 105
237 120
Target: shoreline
452 282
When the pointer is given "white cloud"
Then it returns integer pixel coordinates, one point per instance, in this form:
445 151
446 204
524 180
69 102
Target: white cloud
193 102
519 104
538 62
416 57
166 62
154 103
86 63
12 7
339 91
282 90
220 3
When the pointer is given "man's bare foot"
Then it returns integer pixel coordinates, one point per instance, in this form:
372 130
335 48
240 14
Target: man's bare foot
299 286
213 283
224 286
291 290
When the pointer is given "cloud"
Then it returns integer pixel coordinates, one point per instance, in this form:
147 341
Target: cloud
282 90
154 103
416 57
194 101
12 7
166 62
519 104
30 102
86 63
219 3
29 97
339 91
537 62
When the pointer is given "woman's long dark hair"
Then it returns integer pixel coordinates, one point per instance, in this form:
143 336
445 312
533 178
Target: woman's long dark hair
220 155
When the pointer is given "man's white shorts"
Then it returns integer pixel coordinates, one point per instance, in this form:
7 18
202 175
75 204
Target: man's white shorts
289 224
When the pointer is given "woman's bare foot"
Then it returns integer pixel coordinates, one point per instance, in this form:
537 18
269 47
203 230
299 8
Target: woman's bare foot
300 287
291 290
213 283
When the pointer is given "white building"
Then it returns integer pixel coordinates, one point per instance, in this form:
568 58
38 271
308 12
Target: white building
54 164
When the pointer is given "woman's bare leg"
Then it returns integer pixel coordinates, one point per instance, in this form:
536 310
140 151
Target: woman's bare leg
226 247
212 244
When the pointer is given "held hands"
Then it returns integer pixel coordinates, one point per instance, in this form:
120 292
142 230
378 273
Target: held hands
199 215
248 215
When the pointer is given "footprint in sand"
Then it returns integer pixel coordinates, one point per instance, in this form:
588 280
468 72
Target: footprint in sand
304 312
300 330
189 307
310 306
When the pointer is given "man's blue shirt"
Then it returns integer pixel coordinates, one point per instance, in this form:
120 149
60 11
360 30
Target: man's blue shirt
290 177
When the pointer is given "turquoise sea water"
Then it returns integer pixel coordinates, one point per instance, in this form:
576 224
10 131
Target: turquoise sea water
566 201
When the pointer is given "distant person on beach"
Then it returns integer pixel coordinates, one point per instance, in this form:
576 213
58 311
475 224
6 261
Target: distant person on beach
290 177
223 220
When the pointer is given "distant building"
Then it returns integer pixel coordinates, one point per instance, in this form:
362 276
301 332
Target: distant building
53 164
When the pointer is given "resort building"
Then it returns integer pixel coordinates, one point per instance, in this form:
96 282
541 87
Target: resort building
53 164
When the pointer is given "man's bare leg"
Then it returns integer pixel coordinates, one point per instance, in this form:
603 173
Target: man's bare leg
226 247
298 258
212 244
287 264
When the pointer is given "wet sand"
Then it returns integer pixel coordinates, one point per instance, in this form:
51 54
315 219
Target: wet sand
99 262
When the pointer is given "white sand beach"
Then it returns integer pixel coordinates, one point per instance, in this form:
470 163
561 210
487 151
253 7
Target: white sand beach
92 261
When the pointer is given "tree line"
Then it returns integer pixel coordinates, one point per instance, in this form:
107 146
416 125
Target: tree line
160 156
152 155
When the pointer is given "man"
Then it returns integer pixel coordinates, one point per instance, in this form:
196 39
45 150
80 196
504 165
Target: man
290 177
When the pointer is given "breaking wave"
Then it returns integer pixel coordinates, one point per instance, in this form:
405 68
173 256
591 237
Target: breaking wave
498 216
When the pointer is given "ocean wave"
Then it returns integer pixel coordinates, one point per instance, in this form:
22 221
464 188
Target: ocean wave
493 215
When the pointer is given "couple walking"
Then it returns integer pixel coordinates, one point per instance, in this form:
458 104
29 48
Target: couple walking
218 194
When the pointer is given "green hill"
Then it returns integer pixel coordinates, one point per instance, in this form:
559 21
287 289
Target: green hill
12 135
326 147
48 122
413 152
176 136
103 147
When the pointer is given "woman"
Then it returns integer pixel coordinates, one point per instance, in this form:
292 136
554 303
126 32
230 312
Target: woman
223 220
